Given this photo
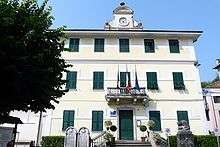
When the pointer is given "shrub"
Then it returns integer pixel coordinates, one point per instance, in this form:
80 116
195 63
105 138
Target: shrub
199 140
52 141
143 128
113 128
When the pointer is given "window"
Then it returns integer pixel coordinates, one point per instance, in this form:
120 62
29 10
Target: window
97 120
174 46
152 80
149 45
71 80
124 45
68 118
216 99
123 78
98 80
74 44
155 116
182 115
178 81
99 45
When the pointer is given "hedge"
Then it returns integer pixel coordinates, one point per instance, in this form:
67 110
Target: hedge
52 141
199 140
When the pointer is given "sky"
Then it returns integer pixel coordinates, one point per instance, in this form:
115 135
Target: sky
201 15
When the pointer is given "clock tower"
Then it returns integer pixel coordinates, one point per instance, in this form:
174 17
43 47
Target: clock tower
123 18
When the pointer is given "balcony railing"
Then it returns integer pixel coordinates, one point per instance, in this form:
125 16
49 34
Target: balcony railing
122 91
122 95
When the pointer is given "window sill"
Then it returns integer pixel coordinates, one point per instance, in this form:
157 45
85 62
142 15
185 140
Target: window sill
98 90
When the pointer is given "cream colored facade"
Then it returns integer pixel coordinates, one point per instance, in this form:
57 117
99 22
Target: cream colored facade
84 99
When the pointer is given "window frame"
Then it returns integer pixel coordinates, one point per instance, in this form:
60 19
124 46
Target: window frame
152 84
151 49
95 124
174 46
64 127
96 83
74 80
150 118
178 84
71 47
121 49
97 47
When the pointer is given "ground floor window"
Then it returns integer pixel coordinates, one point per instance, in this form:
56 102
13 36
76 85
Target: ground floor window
155 116
182 115
68 118
97 120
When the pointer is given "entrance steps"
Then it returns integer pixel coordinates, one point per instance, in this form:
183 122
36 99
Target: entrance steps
131 143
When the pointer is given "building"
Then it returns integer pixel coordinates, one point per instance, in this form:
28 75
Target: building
102 80
212 102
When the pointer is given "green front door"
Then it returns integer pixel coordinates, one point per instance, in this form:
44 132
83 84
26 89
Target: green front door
126 125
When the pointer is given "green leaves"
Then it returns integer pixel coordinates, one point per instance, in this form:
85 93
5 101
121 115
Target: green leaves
30 57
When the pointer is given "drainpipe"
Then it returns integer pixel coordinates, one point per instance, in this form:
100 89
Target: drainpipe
39 131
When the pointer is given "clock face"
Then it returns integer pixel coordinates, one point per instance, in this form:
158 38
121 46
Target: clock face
123 21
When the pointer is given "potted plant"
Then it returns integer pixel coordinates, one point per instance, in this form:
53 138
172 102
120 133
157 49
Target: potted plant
143 128
108 137
151 124
113 128
108 123
157 138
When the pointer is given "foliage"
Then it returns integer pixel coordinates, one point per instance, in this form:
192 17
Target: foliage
108 137
158 139
199 140
108 123
113 128
30 57
143 128
52 141
151 124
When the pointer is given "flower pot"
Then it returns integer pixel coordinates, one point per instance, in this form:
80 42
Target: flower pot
142 139
113 140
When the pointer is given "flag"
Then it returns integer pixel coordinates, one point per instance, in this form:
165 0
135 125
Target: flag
128 87
118 78
136 81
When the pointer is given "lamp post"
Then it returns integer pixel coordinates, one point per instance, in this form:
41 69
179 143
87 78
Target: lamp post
167 131
216 130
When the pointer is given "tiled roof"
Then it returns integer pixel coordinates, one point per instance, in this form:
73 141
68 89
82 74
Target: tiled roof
214 85
218 66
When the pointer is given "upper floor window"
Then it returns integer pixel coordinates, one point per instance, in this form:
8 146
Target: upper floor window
98 80
174 46
99 45
74 44
178 81
124 45
152 80
123 78
68 118
71 80
149 45
216 99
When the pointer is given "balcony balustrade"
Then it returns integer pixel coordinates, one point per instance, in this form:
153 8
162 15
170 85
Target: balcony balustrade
124 96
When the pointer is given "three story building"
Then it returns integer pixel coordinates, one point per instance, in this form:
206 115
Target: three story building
130 75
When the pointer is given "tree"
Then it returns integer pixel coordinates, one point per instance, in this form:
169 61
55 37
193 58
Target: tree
30 57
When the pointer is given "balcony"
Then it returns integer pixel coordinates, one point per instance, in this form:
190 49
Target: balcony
117 96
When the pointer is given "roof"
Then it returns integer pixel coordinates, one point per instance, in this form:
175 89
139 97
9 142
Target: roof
123 9
217 67
214 85
150 31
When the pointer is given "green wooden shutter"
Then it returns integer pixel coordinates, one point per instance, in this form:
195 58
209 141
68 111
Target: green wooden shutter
149 45
174 46
182 115
98 80
68 118
97 120
124 45
71 80
99 45
178 80
123 78
155 116
152 80
74 44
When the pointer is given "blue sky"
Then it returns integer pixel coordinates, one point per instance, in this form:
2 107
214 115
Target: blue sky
154 14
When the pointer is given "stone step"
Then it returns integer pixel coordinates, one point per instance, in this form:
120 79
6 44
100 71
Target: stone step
131 143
